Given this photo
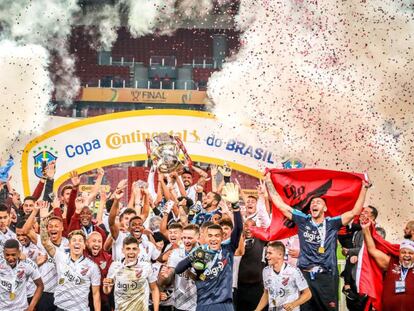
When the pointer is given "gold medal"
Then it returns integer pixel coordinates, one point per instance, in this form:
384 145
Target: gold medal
321 250
61 281
12 296
202 277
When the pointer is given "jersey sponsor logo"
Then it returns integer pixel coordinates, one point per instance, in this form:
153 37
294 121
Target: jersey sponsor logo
214 272
312 237
133 285
281 293
72 278
6 284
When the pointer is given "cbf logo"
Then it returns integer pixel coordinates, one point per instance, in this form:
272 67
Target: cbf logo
42 157
293 163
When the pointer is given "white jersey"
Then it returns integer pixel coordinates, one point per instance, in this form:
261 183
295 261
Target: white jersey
31 251
13 283
131 285
148 251
191 193
48 270
74 281
284 287
4 236
185 290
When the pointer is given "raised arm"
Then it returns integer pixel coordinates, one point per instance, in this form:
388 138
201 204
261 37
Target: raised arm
44 236
177 179
75 179
359 204
101 207
50 175
150 181
262 209
199 171
231 194
28 226
145 204
113 226
276 199
96 186
380 258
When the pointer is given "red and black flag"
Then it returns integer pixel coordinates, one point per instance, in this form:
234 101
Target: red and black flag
298 187
369 276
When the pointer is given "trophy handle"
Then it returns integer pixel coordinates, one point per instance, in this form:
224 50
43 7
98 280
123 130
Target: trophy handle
182 147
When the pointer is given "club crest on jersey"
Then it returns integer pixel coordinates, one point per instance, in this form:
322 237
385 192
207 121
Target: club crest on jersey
285 281
138 273
84 271
102 265
20 274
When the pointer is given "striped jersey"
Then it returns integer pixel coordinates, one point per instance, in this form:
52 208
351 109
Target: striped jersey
13 283
185 290
74 281
48 270
148 251
4 236
31 251
131 285
283 287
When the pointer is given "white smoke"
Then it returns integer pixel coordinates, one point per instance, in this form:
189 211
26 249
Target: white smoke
329 82
25 92
102 25
48 24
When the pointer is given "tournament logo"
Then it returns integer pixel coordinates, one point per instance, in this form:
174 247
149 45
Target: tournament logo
42 157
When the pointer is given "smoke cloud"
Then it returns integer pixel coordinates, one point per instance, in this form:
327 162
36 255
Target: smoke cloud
25 92
329 82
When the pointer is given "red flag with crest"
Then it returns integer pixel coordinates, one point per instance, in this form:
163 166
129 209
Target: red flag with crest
298 187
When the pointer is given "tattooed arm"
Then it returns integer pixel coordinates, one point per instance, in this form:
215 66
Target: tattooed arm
44 236
276 199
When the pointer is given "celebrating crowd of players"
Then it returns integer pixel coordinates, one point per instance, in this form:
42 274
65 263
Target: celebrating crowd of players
176 247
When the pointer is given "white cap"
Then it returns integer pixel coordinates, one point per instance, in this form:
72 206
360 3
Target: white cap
408 244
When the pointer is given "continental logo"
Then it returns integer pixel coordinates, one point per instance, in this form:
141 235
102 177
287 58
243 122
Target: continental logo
117 140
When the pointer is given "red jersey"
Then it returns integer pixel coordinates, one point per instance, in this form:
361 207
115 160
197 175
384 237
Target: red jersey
103 260
392 301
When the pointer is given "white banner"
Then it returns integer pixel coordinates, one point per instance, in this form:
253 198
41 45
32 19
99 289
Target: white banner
115 138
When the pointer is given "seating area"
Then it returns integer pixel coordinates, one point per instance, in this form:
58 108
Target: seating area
186 47
201 76
91 73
